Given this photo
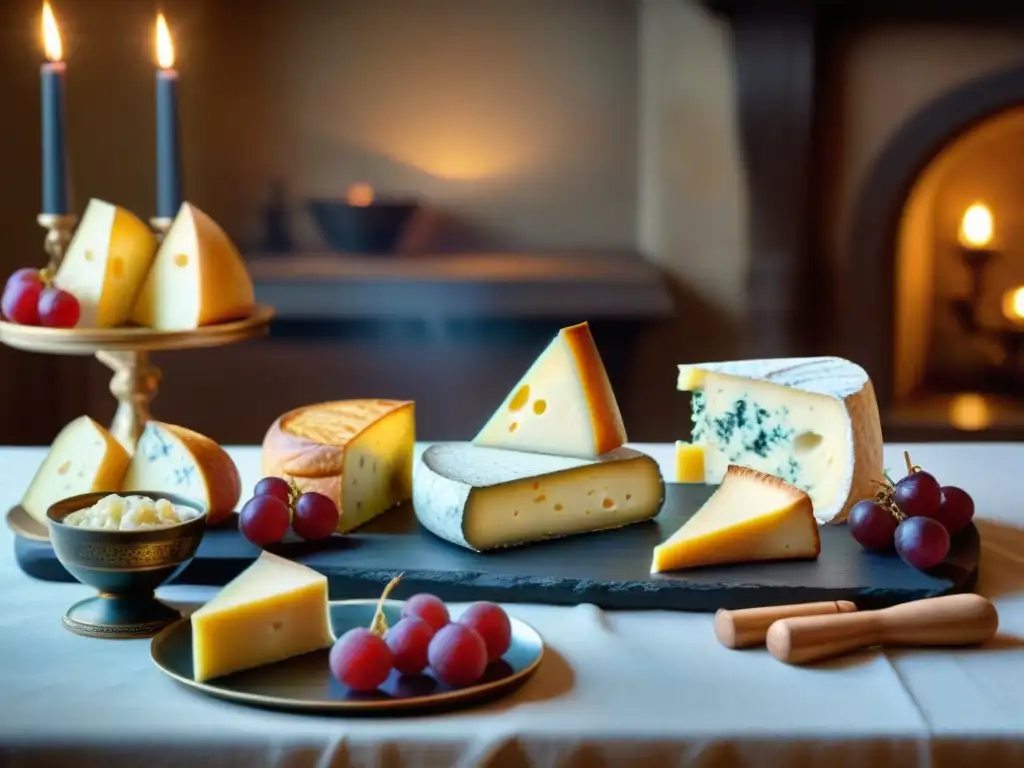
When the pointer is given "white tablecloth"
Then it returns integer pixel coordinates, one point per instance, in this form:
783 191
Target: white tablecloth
617 688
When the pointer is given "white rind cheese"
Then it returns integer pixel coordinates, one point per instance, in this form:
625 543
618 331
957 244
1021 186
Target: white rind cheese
485 498
811 421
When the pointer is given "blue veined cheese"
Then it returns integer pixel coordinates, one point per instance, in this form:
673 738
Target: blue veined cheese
811 421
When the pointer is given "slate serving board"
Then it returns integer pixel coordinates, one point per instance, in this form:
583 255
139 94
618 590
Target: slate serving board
610 569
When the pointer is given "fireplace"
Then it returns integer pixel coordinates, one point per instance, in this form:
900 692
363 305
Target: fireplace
884 152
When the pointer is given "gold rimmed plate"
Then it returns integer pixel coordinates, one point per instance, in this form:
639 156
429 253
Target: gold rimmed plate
26 526
305 684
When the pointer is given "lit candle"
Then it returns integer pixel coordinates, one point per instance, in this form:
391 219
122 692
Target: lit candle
56 187
976 227
168 168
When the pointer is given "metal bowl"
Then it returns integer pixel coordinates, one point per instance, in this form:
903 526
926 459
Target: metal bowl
125 567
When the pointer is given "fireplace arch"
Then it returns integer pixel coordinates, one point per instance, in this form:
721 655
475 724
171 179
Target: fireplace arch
869 260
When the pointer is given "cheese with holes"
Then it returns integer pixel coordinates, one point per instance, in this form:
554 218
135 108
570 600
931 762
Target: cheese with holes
198 277
172 459
357 452
485 498
274 610
84 458
750 517
106 263
811 421
564 405
689 462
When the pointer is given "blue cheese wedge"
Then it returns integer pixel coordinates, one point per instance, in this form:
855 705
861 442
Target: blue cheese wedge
485 498
812 422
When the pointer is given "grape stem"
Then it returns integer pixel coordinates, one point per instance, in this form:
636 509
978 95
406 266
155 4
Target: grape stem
379 625
911 467
293 496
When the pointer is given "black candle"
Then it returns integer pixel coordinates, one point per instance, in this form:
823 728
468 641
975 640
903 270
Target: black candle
56 187
168 162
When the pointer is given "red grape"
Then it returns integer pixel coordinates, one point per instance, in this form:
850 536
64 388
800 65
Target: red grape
956 509
490 622
20 300
430 608
921 542
872 525
408 641
58 309
458 655
360 660
264 520
316 516
917 495
274 486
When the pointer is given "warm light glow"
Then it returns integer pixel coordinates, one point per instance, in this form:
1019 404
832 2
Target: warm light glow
1013 305
976 227
164 44
51 35
970 412
360 195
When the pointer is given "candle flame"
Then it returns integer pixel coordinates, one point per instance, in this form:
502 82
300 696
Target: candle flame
51 35
976 227
360 195
164 44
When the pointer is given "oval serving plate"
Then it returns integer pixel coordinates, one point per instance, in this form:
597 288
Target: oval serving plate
305 684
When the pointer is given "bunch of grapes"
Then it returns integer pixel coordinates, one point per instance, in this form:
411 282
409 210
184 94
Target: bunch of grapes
30 299
457 653
277 504
916 516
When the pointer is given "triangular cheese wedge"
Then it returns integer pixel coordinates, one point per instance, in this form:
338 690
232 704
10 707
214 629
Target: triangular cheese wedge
198 278
83 458
751 517
811 421
176 460
564 405
273 610
105 264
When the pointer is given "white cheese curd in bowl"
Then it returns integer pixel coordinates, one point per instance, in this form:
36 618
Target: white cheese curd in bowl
130 513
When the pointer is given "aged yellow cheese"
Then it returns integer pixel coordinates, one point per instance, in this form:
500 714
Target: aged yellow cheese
176 460
356 452
274 610
689 462
564 405
484 498
84 458
105 264
198 277
751 516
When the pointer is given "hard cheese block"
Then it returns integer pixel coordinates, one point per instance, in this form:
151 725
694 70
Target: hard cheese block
356 452
198 278
84 458
564 405
811 421
173 459
274 610
485 498
689 462
752 516
106 263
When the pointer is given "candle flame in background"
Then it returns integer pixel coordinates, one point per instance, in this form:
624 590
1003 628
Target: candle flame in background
51 35
164 44
976 227
970 412
1013 305
360 195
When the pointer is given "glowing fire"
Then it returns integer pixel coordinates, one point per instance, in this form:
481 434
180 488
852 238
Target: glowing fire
51 35
976 227
360 195
164 44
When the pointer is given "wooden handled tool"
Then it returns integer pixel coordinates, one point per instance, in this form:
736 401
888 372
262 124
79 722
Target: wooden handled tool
951 620
748 627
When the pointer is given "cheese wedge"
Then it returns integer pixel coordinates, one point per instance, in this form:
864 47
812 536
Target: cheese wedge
751 517
198 278
176 460
356 452
274 610
83 458
106 263
485 498
564 405
811 421
689 462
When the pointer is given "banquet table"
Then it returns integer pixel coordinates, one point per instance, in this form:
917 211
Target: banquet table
643 688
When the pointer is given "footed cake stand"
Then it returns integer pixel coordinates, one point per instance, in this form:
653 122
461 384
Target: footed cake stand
124 350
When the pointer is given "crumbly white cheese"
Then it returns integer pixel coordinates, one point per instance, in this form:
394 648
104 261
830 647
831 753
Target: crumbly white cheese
130 513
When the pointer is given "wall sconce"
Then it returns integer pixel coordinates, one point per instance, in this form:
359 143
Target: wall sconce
975 235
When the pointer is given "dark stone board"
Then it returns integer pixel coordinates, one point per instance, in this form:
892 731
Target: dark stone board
610 569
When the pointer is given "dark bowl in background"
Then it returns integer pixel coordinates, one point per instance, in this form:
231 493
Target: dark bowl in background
373 228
